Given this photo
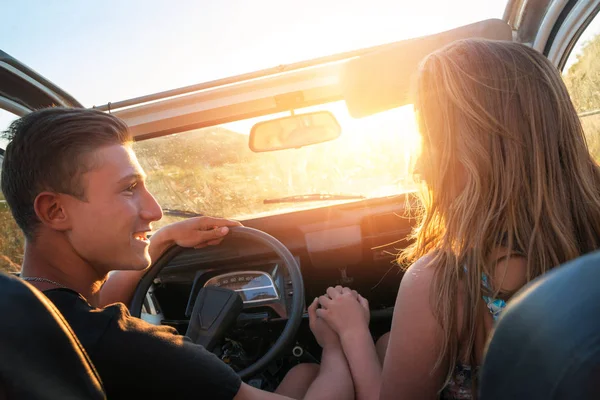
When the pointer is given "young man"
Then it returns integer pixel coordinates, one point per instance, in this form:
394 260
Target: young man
77 191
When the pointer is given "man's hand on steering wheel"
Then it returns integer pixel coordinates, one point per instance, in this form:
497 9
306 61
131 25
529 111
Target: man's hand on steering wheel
226 304
195 232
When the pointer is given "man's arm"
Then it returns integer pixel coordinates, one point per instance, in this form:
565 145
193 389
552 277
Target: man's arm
334 380
194 232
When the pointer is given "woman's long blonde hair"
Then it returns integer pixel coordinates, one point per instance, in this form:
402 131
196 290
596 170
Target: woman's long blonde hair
506 165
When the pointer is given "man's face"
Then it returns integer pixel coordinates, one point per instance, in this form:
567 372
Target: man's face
109 228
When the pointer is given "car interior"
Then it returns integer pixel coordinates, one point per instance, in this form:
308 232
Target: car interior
261 148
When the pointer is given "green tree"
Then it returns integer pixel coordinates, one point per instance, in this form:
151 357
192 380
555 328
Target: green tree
583 77
583 81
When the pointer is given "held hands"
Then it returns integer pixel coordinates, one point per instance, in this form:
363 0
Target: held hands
324 335
344 310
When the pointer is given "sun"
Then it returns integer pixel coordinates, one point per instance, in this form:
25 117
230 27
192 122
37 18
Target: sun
396 126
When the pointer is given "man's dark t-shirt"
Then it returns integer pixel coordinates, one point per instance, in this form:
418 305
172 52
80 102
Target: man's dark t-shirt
138 360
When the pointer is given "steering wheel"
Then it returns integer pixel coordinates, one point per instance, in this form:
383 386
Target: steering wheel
230 305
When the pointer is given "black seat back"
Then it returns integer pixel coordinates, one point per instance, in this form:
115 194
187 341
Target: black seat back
547 342
40 357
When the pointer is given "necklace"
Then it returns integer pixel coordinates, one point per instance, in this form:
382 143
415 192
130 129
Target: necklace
36 279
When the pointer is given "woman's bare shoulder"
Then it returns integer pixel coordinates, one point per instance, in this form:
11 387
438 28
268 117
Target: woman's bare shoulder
420 274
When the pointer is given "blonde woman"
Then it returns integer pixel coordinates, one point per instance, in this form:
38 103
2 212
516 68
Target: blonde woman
511 192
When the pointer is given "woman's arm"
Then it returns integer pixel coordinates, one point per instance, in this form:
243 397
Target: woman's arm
363 361
333 380
416 340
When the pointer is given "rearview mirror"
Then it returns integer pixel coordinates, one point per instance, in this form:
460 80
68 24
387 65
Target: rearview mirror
294 131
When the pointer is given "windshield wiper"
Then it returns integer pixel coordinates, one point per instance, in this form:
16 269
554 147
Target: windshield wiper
313 197
181 213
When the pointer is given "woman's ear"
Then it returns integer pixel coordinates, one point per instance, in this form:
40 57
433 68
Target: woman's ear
50 209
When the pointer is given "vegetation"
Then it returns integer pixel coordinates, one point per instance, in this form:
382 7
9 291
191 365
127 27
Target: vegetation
583 81
213 172
11 241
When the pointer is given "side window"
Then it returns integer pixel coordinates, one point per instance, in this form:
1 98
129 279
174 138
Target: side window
582 77
11 238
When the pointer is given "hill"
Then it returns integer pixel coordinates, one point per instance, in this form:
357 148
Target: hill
213 146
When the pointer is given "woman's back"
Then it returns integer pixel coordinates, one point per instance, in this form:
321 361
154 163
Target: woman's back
511 192
511 274
511 189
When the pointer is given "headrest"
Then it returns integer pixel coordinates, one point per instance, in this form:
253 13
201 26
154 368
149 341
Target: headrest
41 357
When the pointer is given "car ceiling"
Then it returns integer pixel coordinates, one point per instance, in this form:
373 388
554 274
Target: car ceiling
22 89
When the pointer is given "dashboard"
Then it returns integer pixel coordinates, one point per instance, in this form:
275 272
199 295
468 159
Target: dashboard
352 244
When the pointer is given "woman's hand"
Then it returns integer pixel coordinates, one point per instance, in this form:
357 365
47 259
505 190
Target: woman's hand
347 313
344 310
324 335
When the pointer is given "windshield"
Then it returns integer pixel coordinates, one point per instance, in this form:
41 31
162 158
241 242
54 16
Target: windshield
212 171
115 50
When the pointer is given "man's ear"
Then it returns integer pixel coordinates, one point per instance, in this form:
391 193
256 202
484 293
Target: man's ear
51 211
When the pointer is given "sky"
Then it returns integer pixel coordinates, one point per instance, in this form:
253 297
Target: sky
111 50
